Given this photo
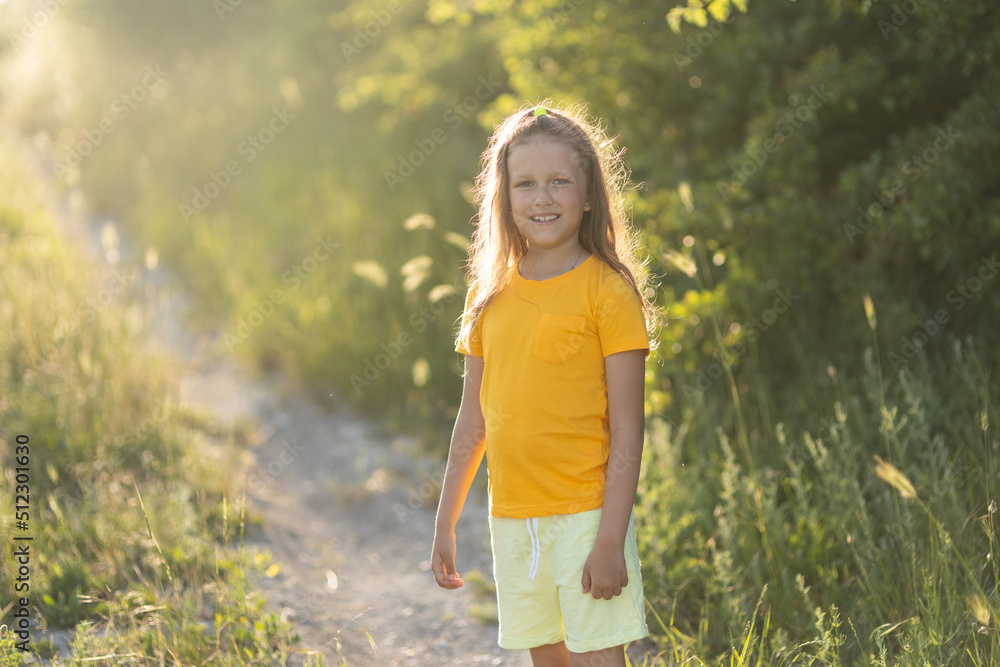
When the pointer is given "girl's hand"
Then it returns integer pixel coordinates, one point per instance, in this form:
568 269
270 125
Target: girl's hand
604 573
443 561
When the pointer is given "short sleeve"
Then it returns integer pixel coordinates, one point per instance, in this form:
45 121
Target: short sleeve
621 324
474 348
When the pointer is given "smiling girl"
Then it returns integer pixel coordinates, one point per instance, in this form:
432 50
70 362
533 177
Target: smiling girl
555 336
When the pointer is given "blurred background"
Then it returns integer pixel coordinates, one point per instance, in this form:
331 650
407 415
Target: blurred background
816 184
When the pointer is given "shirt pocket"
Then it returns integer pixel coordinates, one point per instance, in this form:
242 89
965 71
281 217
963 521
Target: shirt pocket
559 337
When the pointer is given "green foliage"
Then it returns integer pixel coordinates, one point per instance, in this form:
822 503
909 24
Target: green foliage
125 489
847 563
811 523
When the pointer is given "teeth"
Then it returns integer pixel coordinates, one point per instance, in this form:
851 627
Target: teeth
544 218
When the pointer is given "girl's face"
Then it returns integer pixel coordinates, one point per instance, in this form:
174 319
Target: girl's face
548 193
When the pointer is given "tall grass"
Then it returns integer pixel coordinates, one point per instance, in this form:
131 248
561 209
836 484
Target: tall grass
136 513
866 537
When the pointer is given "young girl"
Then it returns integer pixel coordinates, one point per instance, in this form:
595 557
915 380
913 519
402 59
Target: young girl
554 335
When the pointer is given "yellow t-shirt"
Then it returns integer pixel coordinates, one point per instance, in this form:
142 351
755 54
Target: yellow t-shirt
544 395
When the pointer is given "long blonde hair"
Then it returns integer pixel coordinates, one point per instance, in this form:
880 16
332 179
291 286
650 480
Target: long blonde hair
497 245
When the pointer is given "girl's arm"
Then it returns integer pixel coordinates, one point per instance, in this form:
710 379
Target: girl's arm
468 443
604 574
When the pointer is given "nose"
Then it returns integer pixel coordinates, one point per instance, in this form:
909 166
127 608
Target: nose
542 195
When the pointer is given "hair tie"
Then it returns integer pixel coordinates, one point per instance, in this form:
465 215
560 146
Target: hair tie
540 111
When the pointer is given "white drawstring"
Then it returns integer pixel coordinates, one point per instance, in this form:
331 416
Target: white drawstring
536 547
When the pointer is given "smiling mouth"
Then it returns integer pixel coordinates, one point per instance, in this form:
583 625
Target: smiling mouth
544 218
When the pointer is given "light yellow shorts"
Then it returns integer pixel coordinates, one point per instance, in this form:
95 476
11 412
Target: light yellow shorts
538 568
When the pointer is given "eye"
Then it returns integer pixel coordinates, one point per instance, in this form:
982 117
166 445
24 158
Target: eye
522 184
561 180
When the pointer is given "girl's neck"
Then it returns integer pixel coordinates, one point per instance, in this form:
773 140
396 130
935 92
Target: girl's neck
545 264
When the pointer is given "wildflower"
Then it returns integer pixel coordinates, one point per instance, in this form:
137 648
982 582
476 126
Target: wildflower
869 310
685 264
979 609
896 479
684 190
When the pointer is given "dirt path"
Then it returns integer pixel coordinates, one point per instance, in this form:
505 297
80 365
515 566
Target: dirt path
348 513
346 509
